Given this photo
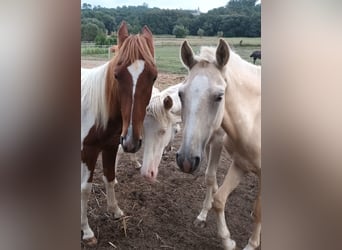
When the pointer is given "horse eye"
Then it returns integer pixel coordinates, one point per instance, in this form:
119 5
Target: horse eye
218 97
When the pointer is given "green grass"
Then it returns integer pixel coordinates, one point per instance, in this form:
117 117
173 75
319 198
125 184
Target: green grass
167 50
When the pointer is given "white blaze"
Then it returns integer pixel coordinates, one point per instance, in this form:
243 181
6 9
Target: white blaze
200 87
135 69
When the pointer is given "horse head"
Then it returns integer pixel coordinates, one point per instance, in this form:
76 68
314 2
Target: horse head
202 95
135 72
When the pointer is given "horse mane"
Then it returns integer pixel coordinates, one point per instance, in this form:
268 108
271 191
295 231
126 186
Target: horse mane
235 70
157 110
93 92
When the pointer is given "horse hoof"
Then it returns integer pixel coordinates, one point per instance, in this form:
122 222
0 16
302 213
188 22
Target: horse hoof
200 223
91 242
250 247
118 214
137 165
229 244
115 211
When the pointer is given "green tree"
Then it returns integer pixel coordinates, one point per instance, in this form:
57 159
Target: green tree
180 31
89 31
200 32
86 6
101 39
95 21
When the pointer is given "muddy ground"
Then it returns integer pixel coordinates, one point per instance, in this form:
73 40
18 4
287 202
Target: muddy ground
161 215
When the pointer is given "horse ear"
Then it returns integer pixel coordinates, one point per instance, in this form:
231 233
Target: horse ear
122 33
222 53
146 32
168 102
187 55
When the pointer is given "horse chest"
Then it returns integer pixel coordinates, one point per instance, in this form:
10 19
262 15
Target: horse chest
103 137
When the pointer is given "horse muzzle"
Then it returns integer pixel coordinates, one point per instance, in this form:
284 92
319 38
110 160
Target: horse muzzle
187 164
130 145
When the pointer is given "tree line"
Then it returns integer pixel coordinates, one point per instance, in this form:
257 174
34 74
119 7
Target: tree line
239 18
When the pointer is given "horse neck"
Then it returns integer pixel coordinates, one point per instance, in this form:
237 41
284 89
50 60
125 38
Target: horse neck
242 99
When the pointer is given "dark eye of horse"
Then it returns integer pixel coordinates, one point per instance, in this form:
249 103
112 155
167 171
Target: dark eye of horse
218 97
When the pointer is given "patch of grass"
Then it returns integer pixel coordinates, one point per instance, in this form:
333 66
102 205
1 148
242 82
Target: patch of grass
93 51
167 49
167 58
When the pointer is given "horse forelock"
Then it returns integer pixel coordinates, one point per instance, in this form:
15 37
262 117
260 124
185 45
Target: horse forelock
157 110
136 47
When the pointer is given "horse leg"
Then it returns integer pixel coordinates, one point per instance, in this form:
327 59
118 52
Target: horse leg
254 240
231 180
254 59
213 151
117 160
108 161
87 170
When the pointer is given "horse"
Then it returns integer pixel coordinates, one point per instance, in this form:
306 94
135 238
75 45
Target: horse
160 126
222 90
114 97
256 55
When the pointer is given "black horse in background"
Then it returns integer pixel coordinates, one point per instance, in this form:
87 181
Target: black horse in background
256 55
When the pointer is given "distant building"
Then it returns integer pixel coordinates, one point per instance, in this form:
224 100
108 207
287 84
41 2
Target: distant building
196 12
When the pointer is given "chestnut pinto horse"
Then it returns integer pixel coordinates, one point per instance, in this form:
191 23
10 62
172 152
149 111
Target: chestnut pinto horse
114 98
222 90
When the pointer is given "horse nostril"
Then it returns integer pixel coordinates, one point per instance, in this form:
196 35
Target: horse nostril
177 157
197 161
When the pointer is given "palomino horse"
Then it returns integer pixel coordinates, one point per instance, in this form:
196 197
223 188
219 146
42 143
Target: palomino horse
160 126
222 90
114 98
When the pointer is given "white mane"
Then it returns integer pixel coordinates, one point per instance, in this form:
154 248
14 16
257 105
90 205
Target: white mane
157 110
236 69
93 83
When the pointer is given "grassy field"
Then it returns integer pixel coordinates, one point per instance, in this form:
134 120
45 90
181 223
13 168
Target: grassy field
167 50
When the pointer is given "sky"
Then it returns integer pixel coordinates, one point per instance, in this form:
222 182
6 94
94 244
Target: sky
203 5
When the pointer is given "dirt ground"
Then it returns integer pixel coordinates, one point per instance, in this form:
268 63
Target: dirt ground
161 215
